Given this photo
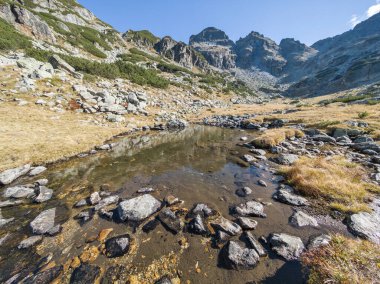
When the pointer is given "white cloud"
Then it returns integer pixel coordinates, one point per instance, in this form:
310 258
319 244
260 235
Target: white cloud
354 21
373 10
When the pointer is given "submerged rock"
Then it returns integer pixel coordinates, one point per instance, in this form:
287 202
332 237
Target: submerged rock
3 221
244 191
289 247
29 242
170 221
227 226
37 170
365 225
9 176
85 274
290 198
117 246
301 219
250 208
46 276
115 274
233 256
138 208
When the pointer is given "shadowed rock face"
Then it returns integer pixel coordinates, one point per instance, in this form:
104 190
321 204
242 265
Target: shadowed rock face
258 51
180 53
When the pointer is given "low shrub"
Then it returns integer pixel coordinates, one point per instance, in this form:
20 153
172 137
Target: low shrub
10 39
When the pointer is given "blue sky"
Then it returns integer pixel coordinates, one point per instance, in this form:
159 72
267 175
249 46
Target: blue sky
305 20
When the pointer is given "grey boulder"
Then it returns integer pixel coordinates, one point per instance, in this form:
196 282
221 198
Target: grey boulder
286 159
301 219
138 208
117 246
29 242
289 247
233 256
318 241
227 226
366 226
44 223
43 194
285 196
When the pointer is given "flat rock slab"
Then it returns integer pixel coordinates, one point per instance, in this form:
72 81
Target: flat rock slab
170 221
301 219
44 222
233 256
289 247
366 226
289 198
117 246
139 208
318 241
19 192
9 176
226 226
253 243
250 208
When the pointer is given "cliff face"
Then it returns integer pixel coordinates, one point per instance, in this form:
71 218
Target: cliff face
180 53
216 47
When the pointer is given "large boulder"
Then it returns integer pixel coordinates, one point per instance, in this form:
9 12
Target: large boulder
139 208
233 256
289 247
58 63
9 176
366 226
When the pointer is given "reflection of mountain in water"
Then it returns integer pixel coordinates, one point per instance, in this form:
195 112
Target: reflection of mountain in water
200 148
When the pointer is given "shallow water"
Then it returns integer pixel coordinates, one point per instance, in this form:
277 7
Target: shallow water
198 164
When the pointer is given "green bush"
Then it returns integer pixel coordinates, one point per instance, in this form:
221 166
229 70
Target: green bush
362 115
10 39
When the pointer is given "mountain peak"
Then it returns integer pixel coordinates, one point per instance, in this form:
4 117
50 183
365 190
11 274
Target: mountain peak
212 35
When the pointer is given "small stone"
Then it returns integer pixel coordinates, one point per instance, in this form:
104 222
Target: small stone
117 246
171 200
94 198
42 182
202 209
139 208
244 191
43 194
249 159
145 190
19 192
318 241
81 203
106 202
262 183
44 222
247 223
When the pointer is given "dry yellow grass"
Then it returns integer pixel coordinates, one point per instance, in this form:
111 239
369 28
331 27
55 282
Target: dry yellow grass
30 134
273 137
335 180
344 261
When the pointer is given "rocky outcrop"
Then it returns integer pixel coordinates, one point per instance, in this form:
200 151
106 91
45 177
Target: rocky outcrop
143 39
216 47
180 53
27 22
256 50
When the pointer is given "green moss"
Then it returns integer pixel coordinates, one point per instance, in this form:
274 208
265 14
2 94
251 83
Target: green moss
10 39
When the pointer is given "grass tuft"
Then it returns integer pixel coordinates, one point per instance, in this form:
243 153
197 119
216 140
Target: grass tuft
336 181
274 137
343 261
